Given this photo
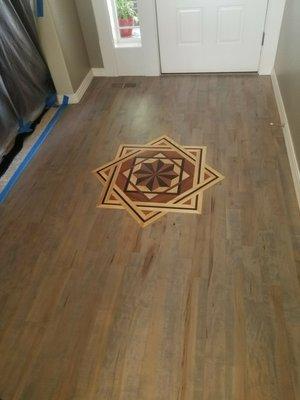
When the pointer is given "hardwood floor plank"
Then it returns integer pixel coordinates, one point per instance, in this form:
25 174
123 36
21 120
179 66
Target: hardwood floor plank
92 307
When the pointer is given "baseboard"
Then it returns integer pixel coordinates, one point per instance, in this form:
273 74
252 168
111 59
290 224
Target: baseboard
99 72
287 135
75 98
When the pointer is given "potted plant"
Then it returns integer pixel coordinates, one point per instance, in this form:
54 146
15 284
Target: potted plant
126 16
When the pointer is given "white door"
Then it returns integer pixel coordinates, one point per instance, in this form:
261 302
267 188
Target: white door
210 35
127 49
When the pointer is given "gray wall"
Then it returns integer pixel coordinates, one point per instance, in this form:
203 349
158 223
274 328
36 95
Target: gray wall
52 50
287 68
72 42
90 33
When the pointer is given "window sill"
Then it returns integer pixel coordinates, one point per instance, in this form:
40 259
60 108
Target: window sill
121 45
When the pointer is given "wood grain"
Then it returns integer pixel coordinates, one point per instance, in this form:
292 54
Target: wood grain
193 307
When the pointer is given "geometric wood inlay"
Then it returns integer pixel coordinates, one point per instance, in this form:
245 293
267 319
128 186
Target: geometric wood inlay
150 180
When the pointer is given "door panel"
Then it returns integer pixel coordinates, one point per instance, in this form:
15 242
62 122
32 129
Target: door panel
189 23
230 24
210 35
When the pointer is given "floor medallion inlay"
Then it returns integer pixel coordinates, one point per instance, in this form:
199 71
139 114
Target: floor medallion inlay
150 180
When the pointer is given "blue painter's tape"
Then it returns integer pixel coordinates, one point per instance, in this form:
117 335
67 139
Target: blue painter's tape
24 127
65 101
39 8
51 100
48 129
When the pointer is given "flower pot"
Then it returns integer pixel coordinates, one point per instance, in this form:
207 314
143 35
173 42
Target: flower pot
126 33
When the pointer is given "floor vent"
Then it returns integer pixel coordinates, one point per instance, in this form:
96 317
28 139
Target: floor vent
124 85
130 85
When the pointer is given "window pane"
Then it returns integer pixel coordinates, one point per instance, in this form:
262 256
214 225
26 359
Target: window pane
128 20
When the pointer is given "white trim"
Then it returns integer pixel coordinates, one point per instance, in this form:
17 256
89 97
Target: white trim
287 135
60 98
105 36
99 72
83 87
274 17
75 98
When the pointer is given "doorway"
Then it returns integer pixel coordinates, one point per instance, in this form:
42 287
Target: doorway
210 35
188 36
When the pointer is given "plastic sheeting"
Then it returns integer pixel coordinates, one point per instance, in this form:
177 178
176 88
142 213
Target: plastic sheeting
25 81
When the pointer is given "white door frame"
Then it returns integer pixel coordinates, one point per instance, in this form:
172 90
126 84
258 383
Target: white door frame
105 37
273 22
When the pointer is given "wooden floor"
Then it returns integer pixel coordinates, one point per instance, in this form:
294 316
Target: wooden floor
92 307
